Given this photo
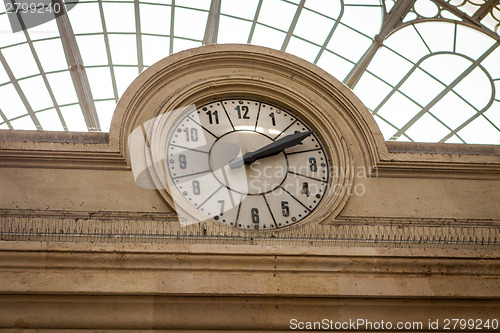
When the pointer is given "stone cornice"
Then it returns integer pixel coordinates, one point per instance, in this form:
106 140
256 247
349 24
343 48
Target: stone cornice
62 159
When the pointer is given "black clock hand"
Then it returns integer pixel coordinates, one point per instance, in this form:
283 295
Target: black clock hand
271 149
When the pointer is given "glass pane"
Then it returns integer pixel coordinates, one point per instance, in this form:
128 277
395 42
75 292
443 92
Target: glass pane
24 123
233 30
302 49
438 36
371 90
49 120
51 55
403 138
427 129
39 100
387 130
245 9
348 43
155 19
105 110
476 88
62 87
446 67
183 44
8 37
421 87
399 110
123 49
269 10
408 43
313 27
200 4
471 42
335 65
426 8
85 18
367 20
3 75
480 131
363 2
154 49
190 23
493 113
492 63
448 15
330 8
124 77
100 82
389 66
93 50
20 60
119 17
73 117
452 110
269 37
10 103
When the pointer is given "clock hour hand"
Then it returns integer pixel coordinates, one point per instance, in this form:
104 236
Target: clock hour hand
271 149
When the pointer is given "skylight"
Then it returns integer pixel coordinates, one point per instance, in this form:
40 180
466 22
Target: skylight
428 70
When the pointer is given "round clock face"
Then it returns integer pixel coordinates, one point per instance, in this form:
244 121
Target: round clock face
247 164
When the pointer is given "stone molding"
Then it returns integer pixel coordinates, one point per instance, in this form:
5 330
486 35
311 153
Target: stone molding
204 270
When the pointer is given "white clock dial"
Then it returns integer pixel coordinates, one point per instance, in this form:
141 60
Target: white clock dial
271 192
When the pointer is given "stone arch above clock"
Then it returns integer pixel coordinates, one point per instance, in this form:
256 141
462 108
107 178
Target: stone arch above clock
210 73
220 71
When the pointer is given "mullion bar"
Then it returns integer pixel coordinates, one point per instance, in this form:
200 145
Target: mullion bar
421 38
391 22
20 92
254 23
293 25
172 15
108 51
5 120
77 69
138 36
212 28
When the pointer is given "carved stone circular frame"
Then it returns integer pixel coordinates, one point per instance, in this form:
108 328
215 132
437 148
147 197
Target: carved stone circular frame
216 72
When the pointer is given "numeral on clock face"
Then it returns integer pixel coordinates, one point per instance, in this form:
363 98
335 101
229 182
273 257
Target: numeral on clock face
271 192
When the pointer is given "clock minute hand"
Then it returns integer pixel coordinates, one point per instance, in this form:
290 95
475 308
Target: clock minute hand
271 149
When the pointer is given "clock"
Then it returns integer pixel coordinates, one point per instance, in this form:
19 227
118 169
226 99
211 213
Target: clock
246 163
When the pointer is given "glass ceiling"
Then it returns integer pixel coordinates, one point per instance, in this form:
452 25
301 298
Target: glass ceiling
429 70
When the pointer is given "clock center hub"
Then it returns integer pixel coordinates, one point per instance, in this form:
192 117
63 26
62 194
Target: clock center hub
261 176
